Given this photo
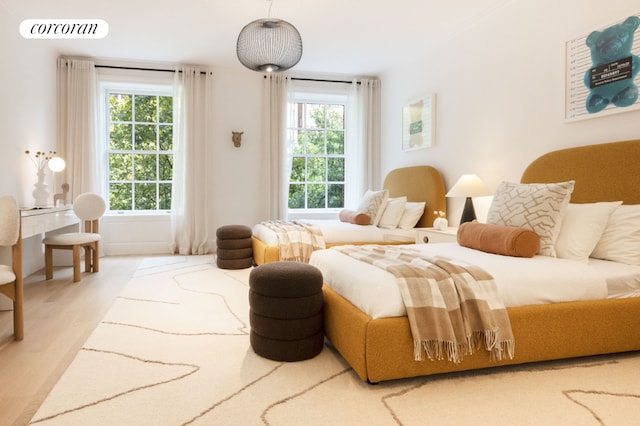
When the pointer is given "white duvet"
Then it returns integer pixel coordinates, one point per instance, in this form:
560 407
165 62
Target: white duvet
336 232
520 281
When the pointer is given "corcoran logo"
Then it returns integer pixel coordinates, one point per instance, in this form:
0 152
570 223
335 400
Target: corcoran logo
64 28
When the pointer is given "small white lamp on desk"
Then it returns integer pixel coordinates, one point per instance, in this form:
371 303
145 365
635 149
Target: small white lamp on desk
57 164
468 186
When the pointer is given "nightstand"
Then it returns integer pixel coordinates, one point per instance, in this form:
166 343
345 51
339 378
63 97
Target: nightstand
432 235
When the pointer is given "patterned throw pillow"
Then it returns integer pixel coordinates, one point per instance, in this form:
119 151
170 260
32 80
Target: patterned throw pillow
373 204
538 206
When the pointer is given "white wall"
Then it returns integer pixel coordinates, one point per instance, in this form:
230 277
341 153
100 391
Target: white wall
238 174
500 84
27 111
27 119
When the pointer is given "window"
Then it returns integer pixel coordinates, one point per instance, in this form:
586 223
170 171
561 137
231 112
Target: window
317 178
139 150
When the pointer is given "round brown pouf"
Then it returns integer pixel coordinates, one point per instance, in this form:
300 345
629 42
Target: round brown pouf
234 250
286 311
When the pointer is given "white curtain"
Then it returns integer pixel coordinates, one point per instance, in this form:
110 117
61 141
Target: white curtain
278 105
76 116
363 147
191 180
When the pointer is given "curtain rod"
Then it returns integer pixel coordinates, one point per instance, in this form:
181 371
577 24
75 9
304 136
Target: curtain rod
204 73
141 69
320 80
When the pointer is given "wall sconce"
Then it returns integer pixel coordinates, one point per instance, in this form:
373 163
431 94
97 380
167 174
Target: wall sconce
468 186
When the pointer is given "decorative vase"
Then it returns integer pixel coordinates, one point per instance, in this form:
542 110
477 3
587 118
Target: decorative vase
41 192
441 223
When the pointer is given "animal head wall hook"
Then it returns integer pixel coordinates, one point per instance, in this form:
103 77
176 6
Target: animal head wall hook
236 137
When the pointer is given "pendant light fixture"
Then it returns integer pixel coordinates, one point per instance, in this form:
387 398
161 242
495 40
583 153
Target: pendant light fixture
269 44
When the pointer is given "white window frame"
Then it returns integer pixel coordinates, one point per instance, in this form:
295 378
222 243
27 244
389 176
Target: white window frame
333 94
107 88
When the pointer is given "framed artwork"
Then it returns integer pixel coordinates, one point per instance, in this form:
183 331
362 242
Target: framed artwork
418 123
602 71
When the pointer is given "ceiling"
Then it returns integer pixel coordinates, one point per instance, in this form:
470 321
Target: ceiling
352 37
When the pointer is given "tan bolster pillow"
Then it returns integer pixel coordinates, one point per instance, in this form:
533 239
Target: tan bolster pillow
351 216
497 239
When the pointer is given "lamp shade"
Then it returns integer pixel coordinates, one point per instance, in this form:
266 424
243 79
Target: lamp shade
56 164
269 45
469 186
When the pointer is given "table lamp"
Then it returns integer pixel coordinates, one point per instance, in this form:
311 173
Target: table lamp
468 186
57 164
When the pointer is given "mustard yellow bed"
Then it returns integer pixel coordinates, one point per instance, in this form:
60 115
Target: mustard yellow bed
417 183
382 349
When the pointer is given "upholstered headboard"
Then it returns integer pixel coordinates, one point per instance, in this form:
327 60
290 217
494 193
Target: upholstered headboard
603 172
418 183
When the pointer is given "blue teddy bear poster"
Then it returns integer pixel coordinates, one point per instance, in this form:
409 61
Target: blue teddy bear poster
610 79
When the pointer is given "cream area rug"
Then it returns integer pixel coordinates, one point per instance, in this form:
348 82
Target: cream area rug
174 350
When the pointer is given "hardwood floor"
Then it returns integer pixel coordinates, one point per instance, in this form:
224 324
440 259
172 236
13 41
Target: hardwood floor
59 317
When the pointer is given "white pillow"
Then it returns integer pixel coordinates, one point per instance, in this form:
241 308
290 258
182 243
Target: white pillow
620 241
411 215
581 229
392 213
373 204
536 206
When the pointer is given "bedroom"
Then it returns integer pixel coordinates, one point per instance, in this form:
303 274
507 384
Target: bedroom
499 125
499 120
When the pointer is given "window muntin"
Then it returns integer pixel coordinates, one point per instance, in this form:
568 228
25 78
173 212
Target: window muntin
317 177
139 150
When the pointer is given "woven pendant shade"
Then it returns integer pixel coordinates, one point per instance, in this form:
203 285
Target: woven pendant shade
269 45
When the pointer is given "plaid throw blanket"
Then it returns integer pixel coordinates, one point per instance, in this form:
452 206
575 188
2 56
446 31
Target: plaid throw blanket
453 308
296 240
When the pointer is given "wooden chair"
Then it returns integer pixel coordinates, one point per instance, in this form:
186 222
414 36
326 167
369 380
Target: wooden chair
11 276
89 208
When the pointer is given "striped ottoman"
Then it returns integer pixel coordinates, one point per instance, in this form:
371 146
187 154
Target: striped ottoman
234 250
286 311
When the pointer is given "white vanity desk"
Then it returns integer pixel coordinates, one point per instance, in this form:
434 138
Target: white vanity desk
41 220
